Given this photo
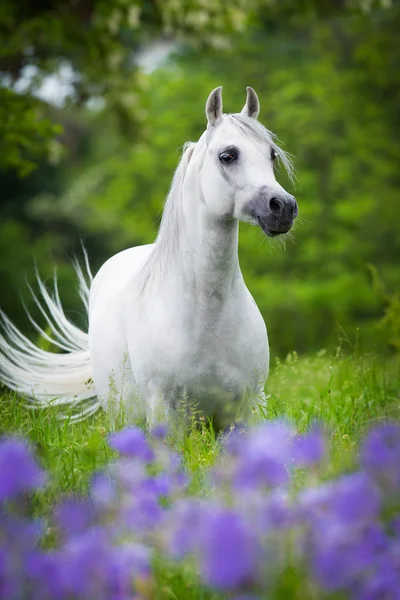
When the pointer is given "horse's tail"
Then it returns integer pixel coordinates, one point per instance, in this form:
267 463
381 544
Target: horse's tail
48 378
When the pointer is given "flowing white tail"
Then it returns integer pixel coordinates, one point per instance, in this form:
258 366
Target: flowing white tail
48 378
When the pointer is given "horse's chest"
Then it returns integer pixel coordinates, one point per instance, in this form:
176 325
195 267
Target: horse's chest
207 352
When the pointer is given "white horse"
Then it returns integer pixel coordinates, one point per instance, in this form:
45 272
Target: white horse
172 324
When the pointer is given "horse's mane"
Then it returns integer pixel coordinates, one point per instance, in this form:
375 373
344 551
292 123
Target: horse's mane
169 232
168 236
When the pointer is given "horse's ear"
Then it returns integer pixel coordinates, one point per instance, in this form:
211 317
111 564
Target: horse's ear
252 106
214 106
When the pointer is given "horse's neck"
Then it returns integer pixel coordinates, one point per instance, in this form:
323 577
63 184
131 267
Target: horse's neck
195 251
210 256
208 252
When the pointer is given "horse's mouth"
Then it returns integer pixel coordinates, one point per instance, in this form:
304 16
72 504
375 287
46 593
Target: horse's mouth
273 232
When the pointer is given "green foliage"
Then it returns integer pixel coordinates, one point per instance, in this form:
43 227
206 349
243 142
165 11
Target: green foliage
390 321
26 132
329 89
97 42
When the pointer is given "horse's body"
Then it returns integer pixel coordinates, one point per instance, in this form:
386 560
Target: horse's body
172 324
178 343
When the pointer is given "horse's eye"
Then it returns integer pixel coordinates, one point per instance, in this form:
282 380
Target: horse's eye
228 157
274 154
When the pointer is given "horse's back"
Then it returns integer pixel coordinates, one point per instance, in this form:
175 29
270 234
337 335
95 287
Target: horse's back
113 276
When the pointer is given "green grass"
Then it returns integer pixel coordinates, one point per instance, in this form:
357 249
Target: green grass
346 393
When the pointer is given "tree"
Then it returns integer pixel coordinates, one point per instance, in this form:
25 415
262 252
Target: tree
97 41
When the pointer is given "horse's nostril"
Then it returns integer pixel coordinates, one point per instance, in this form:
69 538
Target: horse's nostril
275 205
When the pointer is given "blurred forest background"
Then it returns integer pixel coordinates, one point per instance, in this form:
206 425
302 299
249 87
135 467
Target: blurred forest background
97 99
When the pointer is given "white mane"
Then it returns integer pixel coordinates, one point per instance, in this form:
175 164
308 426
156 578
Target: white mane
168 236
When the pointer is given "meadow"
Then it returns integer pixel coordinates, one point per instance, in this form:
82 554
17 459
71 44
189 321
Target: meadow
346 392
341 396
95 98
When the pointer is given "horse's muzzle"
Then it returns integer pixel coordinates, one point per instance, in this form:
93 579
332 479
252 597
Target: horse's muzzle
274 213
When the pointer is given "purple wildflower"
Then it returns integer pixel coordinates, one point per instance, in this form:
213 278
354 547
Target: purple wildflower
228 550
85 566
184 526
159 485
355 499
44 573
263 457
233 439
132 442
11 577
103 492
309 449
340 559
145 512
133 560
159 432
380 454
19 471
241 537
275 512
350 501
74 515
396 526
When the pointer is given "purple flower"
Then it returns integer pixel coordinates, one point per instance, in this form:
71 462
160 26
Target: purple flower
132 560
243 535
19 471
309 449
350 501
380 454
20 532
396 526
84 565
103 492
184 526
132 442
275 512
383 580
127 474
18 540
384 584
233 440
159 485
44 573
341 559
355 499
228 550
159 432
74 515
263 456
11 576
144 513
